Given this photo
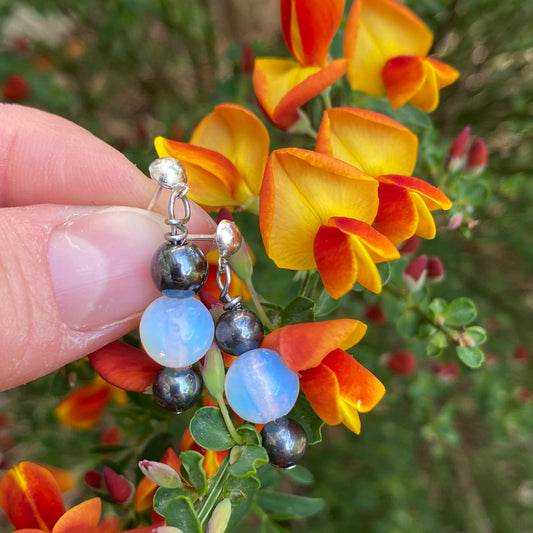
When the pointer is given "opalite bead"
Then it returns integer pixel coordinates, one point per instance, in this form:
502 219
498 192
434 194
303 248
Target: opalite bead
259 386
238 330
176 332
179 270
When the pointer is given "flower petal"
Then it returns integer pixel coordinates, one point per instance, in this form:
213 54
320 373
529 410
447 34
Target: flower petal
30 497
80 519
111 360
376 31
360 246
406 78
321 388
303 346
237 134
301 191
444 73
309 27
83 407
212 178
357 385
282 86
359 136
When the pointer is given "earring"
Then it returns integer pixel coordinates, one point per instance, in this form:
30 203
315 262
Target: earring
177 330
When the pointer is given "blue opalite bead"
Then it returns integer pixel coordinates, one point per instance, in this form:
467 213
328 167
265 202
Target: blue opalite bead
176 332
259 386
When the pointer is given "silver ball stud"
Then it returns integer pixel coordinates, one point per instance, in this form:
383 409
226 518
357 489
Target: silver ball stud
168 172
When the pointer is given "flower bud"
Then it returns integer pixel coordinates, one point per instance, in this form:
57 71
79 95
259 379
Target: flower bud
213 371
120 489
16 88
220 517
456 153
521 354
435 270
446 372
160 474
402 363
375 313
410 246
248 59
477 157
94 479
455 221
524 395
415 273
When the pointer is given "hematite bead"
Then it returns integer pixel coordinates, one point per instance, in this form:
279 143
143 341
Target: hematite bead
238 331
176 332
285 442
179 271
177 389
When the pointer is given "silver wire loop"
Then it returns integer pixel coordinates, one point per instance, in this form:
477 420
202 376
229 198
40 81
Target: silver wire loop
178 229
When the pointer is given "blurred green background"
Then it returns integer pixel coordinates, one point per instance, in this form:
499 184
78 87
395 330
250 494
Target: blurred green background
448 455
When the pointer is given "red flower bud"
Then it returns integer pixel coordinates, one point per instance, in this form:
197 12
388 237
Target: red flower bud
521 354
524 395
111 436
247 59
94 479
410 246
435 270
375 314
16 88
477 157
446 372
415 273
456 153
119 488
403 363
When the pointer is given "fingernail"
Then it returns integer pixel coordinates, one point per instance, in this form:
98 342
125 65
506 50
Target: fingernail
100 266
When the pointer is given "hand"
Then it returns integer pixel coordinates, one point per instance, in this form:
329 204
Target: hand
74 272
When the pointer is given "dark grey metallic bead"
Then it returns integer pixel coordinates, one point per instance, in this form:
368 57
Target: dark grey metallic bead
285 442
177 389
179 271
238 331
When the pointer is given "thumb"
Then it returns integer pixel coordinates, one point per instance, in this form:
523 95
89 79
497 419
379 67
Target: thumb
72 279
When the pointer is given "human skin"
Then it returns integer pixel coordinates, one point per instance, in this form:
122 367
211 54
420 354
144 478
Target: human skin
76 243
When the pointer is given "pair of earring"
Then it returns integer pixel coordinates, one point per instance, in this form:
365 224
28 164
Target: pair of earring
177 330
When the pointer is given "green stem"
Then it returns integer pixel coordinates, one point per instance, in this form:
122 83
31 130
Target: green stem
326 98
260 310
217 484
227 419
303 125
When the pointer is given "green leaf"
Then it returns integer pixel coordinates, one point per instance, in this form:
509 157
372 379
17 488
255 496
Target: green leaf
470 356
191 470
164 496
325 304
301 309
181 514
436 344
246 459
477 334
407 324
209 430
460 312
300 475
385 271
288 506
304 414
249 435
437 307
240 488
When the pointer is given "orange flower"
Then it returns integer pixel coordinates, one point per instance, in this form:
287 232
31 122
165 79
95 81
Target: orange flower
304 346
237 286
315 212
31 498
387 45
83 408
386 150
336 385
283 85
225 158
340 388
